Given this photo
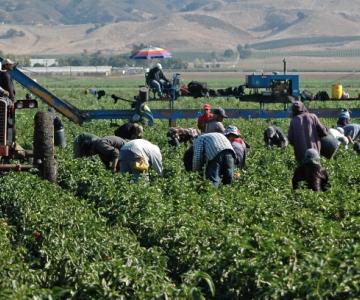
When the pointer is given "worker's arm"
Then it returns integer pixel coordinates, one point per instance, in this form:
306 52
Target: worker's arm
198 156
114 164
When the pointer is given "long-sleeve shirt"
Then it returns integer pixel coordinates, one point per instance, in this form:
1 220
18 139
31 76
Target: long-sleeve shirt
315 176
304 133
146 150
207 146
352 130
108 147
7 84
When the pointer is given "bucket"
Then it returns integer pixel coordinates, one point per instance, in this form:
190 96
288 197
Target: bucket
336 91
329 146
59 138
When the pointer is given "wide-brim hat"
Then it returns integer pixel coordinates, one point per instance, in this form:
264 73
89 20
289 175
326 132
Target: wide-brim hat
232 130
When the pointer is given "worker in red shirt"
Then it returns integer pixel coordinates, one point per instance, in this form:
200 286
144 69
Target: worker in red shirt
205 117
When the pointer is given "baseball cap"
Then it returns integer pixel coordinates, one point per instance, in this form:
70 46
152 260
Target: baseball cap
220 112
232 130
312 156
207 106
345 114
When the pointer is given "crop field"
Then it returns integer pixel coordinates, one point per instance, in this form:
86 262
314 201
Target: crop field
95 235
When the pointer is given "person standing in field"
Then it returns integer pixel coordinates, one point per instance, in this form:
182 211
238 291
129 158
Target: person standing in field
205 117
216 125
305 131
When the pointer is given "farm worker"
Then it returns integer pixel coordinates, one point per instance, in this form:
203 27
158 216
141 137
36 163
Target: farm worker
3 93
311 172
156 79
305 131
82 144
130 131
178 135
338 133
59 131
137 156
6 82
205 117
108 148
216 125
351 131
214 150
239 146
344 118
95 92
274 136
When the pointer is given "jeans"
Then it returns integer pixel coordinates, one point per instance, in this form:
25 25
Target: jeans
221 168
155 85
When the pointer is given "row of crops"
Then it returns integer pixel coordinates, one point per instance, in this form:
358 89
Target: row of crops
96 236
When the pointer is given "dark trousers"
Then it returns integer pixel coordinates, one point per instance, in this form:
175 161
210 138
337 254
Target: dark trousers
221 168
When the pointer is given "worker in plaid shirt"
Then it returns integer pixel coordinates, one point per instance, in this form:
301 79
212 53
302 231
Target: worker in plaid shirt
216 149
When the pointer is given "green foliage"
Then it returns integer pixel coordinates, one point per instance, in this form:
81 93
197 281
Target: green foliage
95 235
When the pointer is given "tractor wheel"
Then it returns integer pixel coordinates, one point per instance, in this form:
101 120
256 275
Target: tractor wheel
43 146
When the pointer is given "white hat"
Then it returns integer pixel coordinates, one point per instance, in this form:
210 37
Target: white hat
232 130
159 66
8 61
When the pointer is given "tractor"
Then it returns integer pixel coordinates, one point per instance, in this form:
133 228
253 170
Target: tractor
12 155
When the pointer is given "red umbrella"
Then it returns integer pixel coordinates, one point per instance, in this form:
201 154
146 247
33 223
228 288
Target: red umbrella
150 53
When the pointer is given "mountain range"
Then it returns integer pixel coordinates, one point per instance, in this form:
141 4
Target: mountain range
114 26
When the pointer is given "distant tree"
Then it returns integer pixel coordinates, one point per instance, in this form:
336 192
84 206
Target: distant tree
229 53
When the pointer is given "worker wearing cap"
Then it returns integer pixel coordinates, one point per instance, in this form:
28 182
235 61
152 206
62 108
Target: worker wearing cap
138 156
239 146
274 136
82 144
310 171
205 117
216 125
214 150
351 131
156 79
6 82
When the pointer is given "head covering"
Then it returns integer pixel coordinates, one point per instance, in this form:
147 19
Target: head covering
270 132
232 130
312 156
7 61
345 114
207 106
298 107
159 66
220 112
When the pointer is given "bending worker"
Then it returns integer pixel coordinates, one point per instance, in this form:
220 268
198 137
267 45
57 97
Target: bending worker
138 156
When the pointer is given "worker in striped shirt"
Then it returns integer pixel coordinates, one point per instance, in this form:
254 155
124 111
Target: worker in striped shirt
214 150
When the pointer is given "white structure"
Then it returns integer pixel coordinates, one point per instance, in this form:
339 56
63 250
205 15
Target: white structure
71 70
46 62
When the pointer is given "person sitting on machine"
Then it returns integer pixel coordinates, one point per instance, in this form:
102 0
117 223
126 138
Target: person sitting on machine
157 80
310 171
6 81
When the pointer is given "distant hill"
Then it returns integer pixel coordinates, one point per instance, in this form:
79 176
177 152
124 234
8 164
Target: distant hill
113 26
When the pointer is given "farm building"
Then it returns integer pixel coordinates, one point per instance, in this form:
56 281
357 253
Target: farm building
71 70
